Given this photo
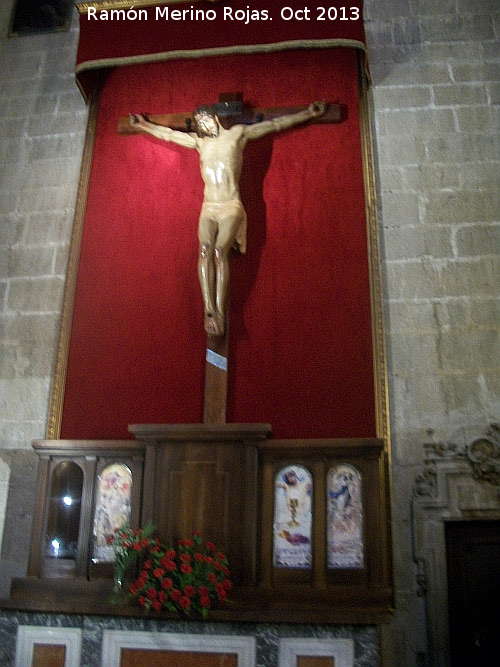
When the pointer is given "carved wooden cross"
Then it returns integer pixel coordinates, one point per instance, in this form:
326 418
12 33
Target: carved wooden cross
230 109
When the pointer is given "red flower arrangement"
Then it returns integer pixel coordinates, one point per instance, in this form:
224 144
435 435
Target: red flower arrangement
127 544
189 579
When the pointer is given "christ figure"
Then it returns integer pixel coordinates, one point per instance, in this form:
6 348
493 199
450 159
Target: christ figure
223 220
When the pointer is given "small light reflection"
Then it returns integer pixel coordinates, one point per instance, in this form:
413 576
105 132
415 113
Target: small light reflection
67 500
55 545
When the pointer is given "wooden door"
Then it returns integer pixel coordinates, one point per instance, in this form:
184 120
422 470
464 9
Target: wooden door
473 558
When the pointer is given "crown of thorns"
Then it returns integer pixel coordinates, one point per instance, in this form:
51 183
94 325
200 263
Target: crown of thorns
204 111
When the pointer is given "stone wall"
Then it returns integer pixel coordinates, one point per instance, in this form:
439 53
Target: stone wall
42 129
435 70
436 94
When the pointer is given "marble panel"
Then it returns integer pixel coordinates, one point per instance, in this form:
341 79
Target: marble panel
340 650
267 637
115 640
29 635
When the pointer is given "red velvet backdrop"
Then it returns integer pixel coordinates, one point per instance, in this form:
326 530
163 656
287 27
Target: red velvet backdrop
105 43
300 335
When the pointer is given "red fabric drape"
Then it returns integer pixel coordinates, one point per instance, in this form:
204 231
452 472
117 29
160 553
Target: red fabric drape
301 346
116 41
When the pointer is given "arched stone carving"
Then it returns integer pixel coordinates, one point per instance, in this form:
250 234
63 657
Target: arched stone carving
484 456
457 483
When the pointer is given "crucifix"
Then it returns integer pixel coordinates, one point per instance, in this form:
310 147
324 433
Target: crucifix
219 133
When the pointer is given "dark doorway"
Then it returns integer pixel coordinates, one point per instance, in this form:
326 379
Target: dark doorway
473 560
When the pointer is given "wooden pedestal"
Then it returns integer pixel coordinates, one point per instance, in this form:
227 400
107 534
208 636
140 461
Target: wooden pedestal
203 477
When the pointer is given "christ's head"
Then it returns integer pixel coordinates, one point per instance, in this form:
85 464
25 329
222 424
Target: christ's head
207 123
291 478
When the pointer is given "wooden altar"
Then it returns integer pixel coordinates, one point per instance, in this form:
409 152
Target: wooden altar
219 480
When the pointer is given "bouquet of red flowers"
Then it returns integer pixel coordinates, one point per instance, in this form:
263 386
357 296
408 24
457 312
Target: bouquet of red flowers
187 579
127 544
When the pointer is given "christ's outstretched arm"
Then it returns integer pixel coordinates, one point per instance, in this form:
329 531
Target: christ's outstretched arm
188 140
284 122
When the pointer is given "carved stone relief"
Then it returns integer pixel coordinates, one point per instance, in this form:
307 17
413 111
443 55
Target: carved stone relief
484 456
456 484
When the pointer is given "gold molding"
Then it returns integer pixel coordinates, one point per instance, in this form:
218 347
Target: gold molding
61 364
372 231
380 372
83 7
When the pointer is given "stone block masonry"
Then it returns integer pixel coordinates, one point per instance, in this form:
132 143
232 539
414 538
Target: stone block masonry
42 130
435 71
41 140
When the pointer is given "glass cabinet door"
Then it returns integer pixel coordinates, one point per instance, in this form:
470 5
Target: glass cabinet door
63 518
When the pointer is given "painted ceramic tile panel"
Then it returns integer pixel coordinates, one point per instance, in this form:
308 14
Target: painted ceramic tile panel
114 489
292 518
344 518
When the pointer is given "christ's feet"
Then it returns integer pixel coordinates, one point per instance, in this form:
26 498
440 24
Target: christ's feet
214 324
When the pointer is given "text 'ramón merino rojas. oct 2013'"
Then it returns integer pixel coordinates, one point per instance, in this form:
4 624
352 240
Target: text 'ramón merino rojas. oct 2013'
244 16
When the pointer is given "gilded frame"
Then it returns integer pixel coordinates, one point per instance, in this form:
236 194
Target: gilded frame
61 363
